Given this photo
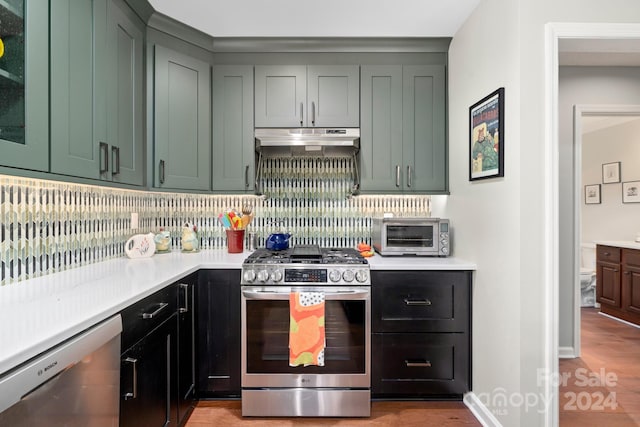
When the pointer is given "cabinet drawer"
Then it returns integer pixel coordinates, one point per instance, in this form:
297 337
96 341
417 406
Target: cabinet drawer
607 253
631 257
420 301
147 314
420 364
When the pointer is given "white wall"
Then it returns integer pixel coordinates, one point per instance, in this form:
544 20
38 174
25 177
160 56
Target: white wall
582 86
611 220
485 213
501 223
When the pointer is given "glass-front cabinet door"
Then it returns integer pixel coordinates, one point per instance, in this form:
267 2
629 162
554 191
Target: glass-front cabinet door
24 84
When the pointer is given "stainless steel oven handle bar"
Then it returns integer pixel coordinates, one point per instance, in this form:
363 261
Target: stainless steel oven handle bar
275 295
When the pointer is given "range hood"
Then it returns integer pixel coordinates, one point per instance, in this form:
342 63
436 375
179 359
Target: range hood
294 142
313 144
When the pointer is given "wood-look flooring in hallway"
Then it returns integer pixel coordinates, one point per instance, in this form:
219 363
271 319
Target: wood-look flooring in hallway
383 414
602 387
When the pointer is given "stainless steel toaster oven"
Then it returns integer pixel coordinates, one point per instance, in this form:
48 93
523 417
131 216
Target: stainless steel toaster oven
420 236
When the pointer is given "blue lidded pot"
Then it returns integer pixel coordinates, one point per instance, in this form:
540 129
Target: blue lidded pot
278 241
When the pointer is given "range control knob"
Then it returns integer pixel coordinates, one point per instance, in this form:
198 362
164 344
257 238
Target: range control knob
361 276
445 250
276 276
249 276
263 275
335 276
348 275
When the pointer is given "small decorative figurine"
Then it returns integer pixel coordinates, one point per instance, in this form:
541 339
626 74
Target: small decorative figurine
163 241
190 242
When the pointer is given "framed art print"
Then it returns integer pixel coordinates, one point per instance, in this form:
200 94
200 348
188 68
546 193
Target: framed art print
611 173
592 194
486 137
631 192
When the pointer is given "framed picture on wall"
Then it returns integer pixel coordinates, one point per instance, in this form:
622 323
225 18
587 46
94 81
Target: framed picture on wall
486 137
592 194
631 192
611 173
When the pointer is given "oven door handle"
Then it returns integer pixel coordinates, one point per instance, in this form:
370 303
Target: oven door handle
275 295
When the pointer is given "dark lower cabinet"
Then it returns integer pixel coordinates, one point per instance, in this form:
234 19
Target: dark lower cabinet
157 380
148 370
186 346
218 334
421 343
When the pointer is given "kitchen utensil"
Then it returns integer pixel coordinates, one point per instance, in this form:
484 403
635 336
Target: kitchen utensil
247 215
252 241
278 241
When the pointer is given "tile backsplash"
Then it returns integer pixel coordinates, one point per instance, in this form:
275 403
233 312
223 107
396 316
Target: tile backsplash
48 226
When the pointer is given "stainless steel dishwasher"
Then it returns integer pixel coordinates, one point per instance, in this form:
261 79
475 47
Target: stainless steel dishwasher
76 383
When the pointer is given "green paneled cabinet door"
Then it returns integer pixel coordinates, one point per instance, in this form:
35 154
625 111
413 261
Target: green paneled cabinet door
24 85
381 128
307 96
233 140
424 145
96 91
403 138
182 121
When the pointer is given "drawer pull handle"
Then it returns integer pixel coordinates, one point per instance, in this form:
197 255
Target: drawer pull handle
155 313
607 253
417 364
134 393
185 288
627 273
425 301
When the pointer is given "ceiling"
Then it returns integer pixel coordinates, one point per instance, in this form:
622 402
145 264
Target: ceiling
326 18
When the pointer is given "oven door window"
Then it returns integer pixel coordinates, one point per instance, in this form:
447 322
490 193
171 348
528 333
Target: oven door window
268 338
410 236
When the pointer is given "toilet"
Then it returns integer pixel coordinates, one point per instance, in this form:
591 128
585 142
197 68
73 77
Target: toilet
588 275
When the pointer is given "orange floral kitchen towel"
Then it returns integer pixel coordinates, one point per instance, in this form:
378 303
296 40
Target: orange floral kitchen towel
306 328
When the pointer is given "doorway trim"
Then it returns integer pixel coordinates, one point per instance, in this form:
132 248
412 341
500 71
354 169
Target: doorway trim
554 32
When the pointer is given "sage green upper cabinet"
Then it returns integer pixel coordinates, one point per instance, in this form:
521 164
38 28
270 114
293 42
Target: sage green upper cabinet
333 96
381 127
24 84
96 91
233 142
124 95
403 139
307 96
182 121
424 145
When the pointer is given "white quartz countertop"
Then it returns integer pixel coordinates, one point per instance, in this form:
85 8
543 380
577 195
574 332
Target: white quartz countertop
40 313
627 244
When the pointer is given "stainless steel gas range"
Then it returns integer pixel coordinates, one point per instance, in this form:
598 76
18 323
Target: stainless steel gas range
270 386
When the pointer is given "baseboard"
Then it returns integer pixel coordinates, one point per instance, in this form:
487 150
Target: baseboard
566 353
480 411
619 320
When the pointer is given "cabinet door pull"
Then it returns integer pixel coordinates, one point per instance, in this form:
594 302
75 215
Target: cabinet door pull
409 176
161 172
161 307
417 363
313 113
397 175
134 393
246 176
104 157
301 113
627 273
607 253
615 270
425 301
185 287
115 153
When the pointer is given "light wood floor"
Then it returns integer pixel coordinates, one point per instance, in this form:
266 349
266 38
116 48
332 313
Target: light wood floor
405 414
608 368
